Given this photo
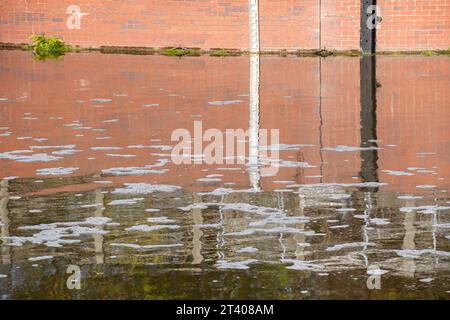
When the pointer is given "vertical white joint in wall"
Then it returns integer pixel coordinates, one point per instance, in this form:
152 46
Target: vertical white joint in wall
253 12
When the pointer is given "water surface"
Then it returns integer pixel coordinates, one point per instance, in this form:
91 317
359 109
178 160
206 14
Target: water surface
87 178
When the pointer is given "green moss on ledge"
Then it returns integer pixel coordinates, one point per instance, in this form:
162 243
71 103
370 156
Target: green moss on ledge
223 52
127 50
180 52
220 52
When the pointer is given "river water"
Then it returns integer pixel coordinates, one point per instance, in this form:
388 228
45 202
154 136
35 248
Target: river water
357 206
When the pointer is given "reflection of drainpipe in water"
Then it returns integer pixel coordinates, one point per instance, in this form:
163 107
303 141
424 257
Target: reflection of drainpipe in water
4 199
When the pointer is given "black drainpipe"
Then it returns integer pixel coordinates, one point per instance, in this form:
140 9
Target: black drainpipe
368 34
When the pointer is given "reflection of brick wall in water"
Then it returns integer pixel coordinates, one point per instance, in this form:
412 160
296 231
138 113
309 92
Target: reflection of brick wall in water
411 113
284 24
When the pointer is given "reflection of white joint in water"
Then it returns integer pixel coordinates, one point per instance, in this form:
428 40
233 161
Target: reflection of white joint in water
4 219
98 238
253 13
197 232
408 266
253 134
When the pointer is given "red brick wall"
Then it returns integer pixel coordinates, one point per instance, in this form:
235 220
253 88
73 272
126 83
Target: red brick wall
289 24
152 23
284 24
340 25
414 24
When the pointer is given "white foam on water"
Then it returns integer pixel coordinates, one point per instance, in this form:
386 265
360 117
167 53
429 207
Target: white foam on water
208 225
344 185
56 171
290 164
120 155
343 226
40 258
285 182
342 246
65 152
152 210
425 186
226 191
425 209
3 276
398 173
54 234
124 171
223 264
426 280
100 100
406 197
36 157
215 175
442 225
340 196
379 221
121 202
279 219
103 182
413 254
145 188
105 148
301 265
346 210
209 179
283 190
343 148
160 220
11 178
246 232
68 146
151 105
247 250
146 247
224 103
190 207
248 208
146 228
161 147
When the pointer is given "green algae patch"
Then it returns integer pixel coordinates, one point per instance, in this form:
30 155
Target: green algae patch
180 52
220 52
127 50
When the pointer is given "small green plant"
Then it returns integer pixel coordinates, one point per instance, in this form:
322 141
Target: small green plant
44 48
428 53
